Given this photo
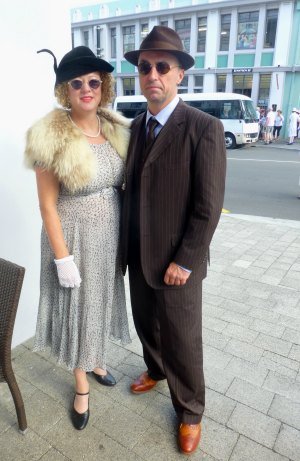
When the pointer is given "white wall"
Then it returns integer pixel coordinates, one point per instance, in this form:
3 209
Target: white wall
26 82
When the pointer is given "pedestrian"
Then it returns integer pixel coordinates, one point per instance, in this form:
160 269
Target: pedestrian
175 179
279 119
78 154
293 124
269 124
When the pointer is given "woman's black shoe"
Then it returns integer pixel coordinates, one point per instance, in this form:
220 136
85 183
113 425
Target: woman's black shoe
80 420
106 380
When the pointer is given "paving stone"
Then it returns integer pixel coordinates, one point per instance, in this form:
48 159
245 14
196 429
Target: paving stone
216 380
243 350
212 300
214 339
282 385
288 443
133 366
26 389
218 407
247 371
16 351
90 444
247 450
250 395
267 328
117 418
290 322
42 412
284 361
235 306
273 344
217 440
286 411
295 353
291 335
17 447
160 412
54 455
264 314
263 431
7 418
30 366
116 354
214 324
239 332
214 357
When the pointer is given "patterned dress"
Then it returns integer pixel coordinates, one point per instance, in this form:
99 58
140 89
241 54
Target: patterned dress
77 322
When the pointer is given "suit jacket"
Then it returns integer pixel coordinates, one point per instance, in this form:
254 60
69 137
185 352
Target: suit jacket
181 193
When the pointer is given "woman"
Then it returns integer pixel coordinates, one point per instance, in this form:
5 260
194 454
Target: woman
78 156
279 119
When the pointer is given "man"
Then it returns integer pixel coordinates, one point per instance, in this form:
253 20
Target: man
270 120
174 193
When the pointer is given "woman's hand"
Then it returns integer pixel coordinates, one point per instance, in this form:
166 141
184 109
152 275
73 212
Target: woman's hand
68 273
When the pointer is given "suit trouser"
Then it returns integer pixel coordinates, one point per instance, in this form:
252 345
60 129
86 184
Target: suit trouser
169 325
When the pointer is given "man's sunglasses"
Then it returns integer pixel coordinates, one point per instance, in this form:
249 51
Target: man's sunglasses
76 84
162 67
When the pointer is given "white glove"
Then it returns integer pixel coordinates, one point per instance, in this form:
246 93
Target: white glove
68 273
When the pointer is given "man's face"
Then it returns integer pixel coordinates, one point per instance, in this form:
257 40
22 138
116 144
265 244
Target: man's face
159 89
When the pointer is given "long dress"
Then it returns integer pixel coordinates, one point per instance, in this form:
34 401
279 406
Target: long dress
77 322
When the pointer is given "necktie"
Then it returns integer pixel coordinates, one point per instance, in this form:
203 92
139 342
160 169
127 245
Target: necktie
152 124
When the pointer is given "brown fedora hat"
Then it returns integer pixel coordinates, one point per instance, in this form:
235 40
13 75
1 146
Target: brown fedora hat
162 38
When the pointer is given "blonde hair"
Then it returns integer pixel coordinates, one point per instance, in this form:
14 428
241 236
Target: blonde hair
107 91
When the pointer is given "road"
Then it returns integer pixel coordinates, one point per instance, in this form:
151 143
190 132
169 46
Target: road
264 181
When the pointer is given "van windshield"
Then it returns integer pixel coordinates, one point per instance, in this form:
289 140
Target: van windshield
249 112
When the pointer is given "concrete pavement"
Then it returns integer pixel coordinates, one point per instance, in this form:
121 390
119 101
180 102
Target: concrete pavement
251 334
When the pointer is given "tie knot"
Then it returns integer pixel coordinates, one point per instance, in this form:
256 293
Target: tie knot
152 123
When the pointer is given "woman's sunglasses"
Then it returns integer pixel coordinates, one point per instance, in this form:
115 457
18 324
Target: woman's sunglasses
162 67
76 84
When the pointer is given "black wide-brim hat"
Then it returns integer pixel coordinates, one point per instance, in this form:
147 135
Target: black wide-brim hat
162 38
79 61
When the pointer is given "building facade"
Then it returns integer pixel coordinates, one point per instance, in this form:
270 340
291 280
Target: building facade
250 47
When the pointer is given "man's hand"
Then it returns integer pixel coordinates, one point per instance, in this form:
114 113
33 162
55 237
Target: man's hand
175 275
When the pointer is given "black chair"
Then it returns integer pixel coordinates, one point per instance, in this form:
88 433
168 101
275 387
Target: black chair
11 281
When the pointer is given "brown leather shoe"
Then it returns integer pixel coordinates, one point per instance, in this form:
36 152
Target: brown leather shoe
189 437
143 384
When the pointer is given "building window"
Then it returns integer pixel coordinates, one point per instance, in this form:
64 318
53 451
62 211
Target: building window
201 40
128 86
264 90
247 30
221 83
164 23
198 83
72 39
225 32
128 39
144 31
86 38
270 30
113 42
183 87
183 28
242 84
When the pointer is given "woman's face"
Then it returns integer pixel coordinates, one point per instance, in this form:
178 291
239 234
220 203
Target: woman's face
85 92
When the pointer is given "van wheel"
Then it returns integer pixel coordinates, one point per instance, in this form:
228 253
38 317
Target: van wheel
230 141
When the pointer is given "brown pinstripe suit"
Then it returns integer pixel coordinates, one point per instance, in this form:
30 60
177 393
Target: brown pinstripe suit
172 205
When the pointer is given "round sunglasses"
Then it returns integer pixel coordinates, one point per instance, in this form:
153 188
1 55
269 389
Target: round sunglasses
76 84
162 67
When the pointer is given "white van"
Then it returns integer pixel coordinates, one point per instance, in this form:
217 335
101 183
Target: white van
235 111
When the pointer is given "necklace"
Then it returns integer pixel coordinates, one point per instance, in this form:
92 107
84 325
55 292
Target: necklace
86 134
